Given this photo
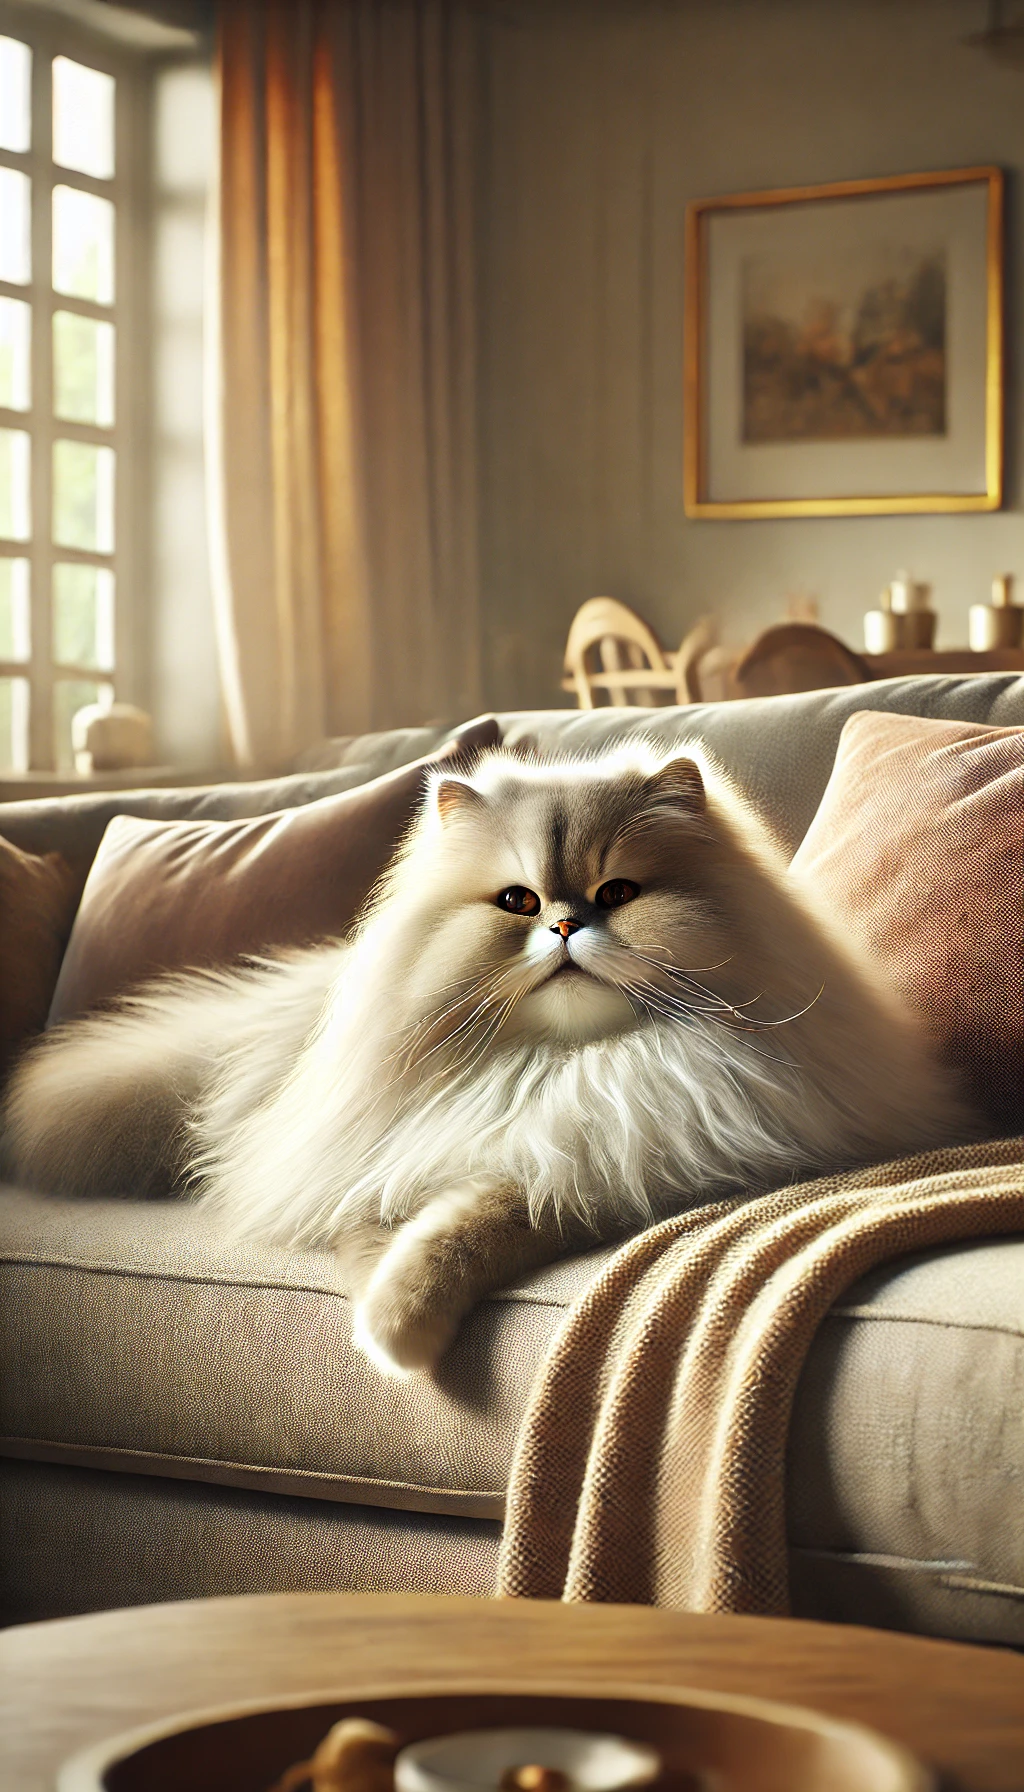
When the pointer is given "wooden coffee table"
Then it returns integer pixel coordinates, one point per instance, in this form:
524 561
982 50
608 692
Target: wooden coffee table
72 1682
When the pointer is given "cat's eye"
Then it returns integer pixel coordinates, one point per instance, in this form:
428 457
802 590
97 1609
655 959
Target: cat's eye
618 891
519 901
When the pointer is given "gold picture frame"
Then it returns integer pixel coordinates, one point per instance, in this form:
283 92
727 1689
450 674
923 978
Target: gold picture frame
910 423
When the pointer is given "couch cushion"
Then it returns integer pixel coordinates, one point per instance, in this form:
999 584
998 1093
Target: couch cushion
150 1347
74 825
779 749
85 1540
38 897
917 852
170 895
134 1338
906 1453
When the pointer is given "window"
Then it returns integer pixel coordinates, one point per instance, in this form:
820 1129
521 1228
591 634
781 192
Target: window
69 158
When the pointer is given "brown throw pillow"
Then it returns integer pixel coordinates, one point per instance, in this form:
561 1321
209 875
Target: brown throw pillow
167 895
37 906
918 851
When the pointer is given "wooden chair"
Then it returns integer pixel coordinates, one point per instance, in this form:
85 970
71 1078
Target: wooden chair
796 656
612 657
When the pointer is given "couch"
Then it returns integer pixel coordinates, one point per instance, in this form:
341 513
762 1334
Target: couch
179 1418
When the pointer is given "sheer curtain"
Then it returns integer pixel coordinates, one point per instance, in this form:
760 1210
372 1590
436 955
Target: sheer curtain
342 394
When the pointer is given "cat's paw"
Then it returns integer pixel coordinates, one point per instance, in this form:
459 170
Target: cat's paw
399 1339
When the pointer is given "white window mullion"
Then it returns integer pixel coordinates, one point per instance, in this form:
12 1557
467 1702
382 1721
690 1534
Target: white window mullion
41 731
100 621
129 473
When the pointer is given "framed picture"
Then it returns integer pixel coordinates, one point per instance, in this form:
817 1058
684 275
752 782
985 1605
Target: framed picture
843 348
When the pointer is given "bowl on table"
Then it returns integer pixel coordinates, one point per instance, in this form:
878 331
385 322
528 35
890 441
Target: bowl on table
707 1742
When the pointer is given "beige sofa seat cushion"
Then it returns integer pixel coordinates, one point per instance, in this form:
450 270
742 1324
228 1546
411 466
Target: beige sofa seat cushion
906 1452
134 1340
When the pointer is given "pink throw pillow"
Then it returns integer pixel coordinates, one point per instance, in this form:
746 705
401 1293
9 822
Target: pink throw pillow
918 851
169 895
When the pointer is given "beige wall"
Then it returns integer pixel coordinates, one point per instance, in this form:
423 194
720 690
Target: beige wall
603 121
184 688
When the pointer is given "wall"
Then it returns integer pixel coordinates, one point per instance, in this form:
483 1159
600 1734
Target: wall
603 121
184 691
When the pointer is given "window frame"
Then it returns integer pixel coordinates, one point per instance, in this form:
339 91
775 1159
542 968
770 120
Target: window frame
49 35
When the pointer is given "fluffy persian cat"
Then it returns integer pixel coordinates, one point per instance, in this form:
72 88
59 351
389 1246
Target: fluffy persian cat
587 994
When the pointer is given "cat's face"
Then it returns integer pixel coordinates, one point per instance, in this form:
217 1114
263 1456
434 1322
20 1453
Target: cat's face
548 897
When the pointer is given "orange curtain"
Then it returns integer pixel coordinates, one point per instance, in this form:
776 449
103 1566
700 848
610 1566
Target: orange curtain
342 395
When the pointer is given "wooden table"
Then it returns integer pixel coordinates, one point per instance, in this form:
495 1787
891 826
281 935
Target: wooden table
75 1681
909 662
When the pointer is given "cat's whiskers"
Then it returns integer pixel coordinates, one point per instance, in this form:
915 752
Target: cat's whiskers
670 1008
723 1015
435 1017
742 1022
711 999
413 1055
483 1012
477 1047
692 970
685 975
705 1012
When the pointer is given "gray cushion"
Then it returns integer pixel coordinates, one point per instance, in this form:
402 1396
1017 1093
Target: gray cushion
74 825
779 749
134 1340
906 1461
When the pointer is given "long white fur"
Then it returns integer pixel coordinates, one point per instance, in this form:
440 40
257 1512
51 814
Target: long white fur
328 1090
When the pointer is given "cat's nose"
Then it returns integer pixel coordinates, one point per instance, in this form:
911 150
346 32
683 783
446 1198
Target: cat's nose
566 926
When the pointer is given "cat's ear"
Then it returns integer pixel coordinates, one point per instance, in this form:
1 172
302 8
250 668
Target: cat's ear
680 784
453 796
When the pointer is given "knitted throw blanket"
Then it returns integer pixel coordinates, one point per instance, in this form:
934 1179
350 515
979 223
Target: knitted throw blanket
650 1466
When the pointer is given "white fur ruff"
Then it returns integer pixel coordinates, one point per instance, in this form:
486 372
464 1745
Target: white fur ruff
568 1055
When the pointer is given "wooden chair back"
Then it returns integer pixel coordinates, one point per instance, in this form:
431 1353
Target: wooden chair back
796 656
612 657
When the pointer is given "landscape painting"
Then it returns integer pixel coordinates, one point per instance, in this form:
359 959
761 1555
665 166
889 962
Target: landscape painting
843 348
845 345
